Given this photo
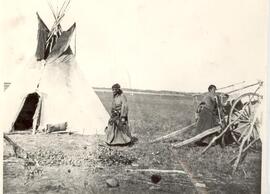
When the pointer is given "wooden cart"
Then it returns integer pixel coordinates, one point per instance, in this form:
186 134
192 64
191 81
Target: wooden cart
238 117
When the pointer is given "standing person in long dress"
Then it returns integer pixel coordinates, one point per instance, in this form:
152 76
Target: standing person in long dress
117 131
207 114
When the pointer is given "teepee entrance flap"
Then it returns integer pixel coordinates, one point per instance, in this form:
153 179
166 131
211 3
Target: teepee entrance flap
24 119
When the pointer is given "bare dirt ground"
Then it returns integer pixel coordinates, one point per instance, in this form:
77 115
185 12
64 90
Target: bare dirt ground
69 163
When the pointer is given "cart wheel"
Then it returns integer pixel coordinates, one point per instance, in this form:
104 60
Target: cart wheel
242 116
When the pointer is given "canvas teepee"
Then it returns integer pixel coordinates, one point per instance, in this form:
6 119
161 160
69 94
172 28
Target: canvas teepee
51 91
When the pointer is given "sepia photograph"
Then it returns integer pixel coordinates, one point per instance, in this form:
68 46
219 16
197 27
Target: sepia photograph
123 97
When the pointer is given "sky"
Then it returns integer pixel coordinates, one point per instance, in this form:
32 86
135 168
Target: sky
179 45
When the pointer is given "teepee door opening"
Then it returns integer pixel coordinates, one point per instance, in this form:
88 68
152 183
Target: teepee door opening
24 120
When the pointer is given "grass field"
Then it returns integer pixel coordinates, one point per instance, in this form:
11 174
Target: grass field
81 164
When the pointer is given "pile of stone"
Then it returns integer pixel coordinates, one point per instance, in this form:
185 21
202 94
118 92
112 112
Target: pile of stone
48 157
109 156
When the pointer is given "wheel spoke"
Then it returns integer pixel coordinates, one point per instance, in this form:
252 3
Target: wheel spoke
242 118
244 131
256 132
253 132
237 113
243 121
243 134
247 112
234 137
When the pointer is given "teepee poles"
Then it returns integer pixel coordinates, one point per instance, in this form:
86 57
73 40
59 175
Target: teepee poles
54 28
55 15
64 7
52 10
58 18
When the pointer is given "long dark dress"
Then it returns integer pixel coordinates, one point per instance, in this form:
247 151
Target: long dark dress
207 116
117 132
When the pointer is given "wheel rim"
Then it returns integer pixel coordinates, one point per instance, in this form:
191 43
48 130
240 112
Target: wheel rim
242 114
